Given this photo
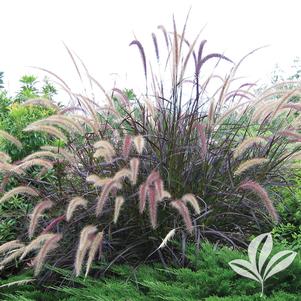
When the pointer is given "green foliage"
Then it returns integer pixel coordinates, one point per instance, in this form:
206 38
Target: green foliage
30 90
12 217
14 117
208 274
1 80
288 232
275 297
208 277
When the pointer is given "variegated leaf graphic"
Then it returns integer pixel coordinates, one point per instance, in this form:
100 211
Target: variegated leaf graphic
251 270
247 272
265 251
254 245
273 268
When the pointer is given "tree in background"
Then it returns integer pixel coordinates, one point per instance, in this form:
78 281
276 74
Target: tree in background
1 80
14 117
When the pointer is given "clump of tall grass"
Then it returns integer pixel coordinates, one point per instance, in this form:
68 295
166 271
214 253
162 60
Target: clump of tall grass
130 171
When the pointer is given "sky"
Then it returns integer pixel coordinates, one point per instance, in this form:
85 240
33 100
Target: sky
33 33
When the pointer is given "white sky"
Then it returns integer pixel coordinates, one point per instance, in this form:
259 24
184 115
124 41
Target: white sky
32 32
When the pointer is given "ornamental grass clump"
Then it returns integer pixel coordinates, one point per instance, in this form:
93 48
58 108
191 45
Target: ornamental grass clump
129 171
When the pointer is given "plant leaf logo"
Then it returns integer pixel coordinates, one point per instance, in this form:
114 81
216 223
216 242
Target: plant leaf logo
258 267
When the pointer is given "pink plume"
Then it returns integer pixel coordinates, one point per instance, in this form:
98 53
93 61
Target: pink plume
103 197
152 206
127 143
262 193
203 139
159 187
134 163
153 176
183 210
142 196
53 223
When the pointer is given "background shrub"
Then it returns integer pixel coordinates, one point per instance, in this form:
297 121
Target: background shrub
14 117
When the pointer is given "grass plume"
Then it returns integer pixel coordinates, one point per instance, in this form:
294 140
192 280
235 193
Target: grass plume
183 210
5 158
41 102
97 181
95 246
167 238
191 199
126 148
11 139
104 196
262 193
36 243
134 165
73 204
49 245
10 245
37 212
139 143
246 144
47 129
249 164
17 253
83 247
18 190
119 201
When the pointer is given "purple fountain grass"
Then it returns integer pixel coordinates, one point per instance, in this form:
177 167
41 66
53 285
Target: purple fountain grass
191 199
73 204
10 245
262 193
95 246
53 223
159 187
119 201
11 138
19 190
183 210
134 165
37 212
196 145
107 188
291 134
152 196
48 246
143 190
203 139
126 148
139 143
142 53
153 176
83 247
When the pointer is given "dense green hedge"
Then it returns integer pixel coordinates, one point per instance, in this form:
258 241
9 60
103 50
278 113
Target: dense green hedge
206 277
